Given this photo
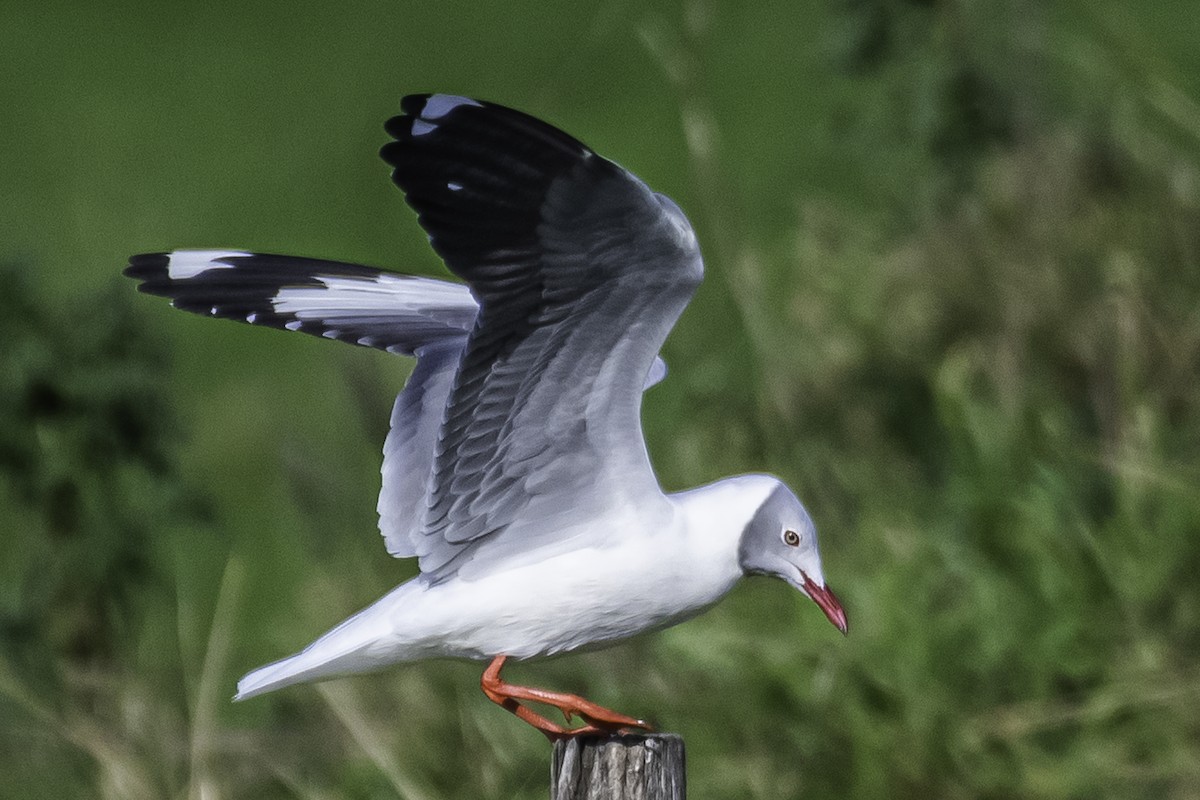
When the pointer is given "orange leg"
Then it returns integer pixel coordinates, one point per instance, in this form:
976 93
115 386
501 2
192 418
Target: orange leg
508 696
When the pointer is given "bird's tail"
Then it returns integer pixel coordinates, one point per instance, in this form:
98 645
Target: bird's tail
277 675
366 641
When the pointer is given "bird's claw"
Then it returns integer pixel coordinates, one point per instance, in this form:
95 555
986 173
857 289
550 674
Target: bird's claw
596 719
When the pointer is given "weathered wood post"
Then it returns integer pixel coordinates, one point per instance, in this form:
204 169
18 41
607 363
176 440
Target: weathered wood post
619 767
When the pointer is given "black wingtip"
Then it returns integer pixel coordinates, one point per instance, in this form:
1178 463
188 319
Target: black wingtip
478 174
425 116
422 114
145 266
411 106
151 271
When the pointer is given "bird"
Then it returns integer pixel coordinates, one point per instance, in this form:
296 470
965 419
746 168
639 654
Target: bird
515 469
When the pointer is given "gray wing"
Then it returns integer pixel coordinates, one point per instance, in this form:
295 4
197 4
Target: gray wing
411 442
580 271
331 299
421 317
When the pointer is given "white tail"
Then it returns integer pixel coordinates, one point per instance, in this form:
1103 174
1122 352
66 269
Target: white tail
364 642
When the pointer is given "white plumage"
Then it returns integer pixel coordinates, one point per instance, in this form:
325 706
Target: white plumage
515 468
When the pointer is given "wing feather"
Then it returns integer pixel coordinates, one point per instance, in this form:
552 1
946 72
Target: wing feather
580 271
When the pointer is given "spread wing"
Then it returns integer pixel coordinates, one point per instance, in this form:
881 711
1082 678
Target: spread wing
421 317
411 443
332 299
580 271
412 316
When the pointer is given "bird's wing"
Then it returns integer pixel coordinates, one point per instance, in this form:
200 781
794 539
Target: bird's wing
580 271
411 316
411 443
348 302
363 305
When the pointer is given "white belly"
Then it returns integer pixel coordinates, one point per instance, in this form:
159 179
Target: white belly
582 598
658 570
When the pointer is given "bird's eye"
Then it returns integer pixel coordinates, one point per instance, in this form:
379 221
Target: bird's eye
791 538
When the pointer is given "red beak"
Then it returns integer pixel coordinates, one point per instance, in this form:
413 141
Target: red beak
828 602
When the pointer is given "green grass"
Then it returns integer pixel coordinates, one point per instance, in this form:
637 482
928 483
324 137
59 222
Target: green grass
953 297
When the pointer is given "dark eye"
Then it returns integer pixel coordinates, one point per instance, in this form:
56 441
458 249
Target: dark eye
791 538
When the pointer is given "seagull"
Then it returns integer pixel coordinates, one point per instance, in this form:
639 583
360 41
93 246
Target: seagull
515 470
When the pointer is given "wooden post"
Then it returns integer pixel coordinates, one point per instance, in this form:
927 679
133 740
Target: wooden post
620 767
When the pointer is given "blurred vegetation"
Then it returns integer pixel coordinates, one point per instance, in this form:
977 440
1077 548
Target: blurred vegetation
953 298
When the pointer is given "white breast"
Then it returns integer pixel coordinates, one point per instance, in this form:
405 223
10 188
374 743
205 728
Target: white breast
581 598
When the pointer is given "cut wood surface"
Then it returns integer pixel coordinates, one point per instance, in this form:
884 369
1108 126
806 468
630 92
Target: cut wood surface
622 767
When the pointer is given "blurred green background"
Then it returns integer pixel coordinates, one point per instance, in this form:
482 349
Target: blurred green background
953 297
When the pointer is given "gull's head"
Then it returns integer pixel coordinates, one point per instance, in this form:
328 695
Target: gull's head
781 541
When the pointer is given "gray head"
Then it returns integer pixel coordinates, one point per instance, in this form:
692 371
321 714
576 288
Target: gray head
781 541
